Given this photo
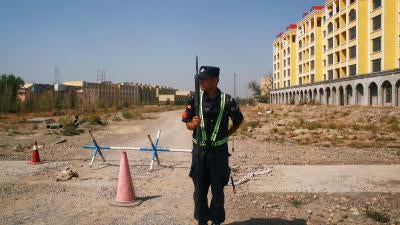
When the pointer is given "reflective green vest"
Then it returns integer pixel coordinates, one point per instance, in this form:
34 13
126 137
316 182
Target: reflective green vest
203 136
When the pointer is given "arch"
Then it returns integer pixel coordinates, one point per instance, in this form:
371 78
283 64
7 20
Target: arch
310 97
352 15
330 27
303 98
349 95
321 95
328 99
286 98
341 95
359 94
315 95
387 93
373 94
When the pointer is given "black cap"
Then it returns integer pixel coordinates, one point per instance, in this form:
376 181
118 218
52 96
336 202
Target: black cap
208 72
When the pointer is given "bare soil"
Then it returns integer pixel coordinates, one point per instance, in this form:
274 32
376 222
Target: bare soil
304 136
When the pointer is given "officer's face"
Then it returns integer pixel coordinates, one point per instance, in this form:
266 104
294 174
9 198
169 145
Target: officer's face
208 84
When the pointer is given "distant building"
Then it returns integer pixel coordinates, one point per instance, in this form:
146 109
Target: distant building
266 85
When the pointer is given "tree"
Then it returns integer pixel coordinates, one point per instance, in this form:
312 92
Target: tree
255 89
9 85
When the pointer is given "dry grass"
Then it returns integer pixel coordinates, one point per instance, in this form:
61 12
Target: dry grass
356 127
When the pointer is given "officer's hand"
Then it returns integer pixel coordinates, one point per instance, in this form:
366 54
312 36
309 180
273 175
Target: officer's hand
196 121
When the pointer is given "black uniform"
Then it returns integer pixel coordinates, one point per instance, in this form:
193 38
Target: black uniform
215 169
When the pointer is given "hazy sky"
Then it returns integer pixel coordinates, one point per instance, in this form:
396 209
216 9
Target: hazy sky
147 41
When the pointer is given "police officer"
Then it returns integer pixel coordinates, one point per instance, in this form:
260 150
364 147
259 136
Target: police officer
215 110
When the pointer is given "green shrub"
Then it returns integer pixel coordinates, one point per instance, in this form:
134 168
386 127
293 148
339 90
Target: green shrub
377 216
93 119
70 129
296 202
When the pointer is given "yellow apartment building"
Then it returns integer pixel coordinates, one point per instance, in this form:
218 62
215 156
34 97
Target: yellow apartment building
351 58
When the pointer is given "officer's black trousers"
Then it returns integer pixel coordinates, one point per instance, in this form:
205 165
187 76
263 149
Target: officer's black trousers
214 172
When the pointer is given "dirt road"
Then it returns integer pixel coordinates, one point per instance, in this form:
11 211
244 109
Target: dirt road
31 195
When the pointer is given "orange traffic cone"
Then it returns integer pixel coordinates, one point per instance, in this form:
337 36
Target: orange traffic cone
125 191
35 154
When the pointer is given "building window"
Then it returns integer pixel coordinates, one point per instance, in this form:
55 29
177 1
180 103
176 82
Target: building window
330 43
300 81
376 65
352 70
312 51
300 69
284 63
284 73
352 1
312 78
288 51
312 65
288 83
352 52
376 4
352 33
352 15
319 22
376 44
312 37
284 52
330 74
288 72
330 28
288 61
324 48
300 56
376 23
330 59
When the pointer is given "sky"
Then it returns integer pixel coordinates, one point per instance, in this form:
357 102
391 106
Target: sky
147 41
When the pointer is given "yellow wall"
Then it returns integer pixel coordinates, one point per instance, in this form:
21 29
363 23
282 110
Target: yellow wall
390 23
293 61
280 64
363 37
318 52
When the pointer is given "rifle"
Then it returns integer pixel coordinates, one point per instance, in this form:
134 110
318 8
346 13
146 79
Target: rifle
199 174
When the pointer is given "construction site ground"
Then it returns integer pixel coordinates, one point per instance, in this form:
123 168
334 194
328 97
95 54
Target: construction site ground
327 165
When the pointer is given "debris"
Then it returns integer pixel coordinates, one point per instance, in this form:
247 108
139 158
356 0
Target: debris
54 126
61 141
251 175
67 174
40 120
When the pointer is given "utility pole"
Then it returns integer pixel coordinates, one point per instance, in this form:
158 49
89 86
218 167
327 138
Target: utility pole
57 75
234 85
